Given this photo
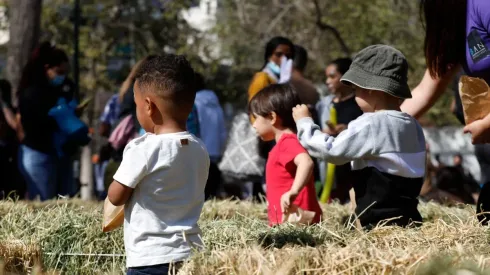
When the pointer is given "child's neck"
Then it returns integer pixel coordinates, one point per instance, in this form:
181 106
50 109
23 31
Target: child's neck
169 128
278 132
387 106
388 109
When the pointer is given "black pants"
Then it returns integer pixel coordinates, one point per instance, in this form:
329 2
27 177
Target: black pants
161 269
381 197
482 152
343 183
11 184
214 182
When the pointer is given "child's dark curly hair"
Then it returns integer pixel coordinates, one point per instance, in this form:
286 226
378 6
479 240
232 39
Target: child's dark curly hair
171 77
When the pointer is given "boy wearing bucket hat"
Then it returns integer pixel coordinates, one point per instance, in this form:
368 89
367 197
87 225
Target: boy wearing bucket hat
386 147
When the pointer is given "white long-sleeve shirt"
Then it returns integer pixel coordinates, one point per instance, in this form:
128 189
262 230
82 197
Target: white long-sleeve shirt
391 141
387 153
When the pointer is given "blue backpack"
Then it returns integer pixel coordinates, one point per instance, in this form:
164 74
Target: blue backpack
72 132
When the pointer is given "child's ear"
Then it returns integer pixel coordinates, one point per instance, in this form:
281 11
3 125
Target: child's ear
273 117
149 106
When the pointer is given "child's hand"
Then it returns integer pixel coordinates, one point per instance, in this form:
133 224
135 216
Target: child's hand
286 201
301 111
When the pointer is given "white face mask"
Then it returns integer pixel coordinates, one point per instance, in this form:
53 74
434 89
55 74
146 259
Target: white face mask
274 67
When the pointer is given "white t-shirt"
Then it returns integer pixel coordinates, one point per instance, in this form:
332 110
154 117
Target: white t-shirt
168 173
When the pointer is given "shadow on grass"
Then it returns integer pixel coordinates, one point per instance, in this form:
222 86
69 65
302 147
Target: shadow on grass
278 237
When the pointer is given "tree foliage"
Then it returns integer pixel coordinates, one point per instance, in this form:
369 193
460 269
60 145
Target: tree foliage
116 32
328 29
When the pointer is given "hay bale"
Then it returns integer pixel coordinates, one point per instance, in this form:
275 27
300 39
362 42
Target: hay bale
239 241
18 256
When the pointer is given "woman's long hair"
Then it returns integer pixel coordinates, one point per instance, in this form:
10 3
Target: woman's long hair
34 70
445 34
271 46
128 82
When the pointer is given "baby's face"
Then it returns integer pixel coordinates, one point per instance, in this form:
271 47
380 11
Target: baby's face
143 109
365 99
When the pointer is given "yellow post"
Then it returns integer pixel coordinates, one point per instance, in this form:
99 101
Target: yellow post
330 170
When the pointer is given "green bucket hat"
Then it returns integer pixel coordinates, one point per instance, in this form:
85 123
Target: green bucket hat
381 68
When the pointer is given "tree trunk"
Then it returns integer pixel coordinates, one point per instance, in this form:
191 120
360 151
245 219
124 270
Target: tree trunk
86 174
86 166
24 28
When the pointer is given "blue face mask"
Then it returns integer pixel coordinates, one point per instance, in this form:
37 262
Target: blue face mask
58 80
274 67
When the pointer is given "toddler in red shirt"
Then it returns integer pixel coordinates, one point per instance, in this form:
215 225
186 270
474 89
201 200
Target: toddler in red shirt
289 169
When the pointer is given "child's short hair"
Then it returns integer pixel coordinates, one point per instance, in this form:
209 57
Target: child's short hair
171 77
278 98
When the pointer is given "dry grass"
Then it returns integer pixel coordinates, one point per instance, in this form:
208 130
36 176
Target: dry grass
238 241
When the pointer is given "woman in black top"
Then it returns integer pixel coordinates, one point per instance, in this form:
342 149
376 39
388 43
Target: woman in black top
342 98
11 184
42 84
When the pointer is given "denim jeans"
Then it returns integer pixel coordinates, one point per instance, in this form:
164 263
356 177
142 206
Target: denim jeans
161 269
99 173
45 175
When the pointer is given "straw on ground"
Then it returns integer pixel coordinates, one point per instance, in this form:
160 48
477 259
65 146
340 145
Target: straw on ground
66 236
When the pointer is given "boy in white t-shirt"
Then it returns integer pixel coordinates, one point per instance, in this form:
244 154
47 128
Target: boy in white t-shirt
163 174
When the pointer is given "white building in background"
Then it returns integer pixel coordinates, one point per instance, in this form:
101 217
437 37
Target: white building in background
4 32
202 17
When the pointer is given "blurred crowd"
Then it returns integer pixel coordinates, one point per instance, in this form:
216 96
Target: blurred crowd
38 155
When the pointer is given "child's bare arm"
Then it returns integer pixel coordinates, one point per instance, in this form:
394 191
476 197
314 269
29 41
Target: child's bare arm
118 193
131 171
304 172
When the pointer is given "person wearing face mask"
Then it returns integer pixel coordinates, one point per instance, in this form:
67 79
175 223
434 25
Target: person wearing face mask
277 68
42 84
277 49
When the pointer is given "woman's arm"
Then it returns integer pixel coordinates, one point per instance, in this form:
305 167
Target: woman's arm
426 93
10 117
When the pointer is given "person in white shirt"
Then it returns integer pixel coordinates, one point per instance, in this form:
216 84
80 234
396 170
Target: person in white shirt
213 132
385 147
163 173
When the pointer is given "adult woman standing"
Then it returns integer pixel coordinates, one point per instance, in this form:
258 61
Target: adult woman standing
42 84
11 184
457 36
342 99
279 49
